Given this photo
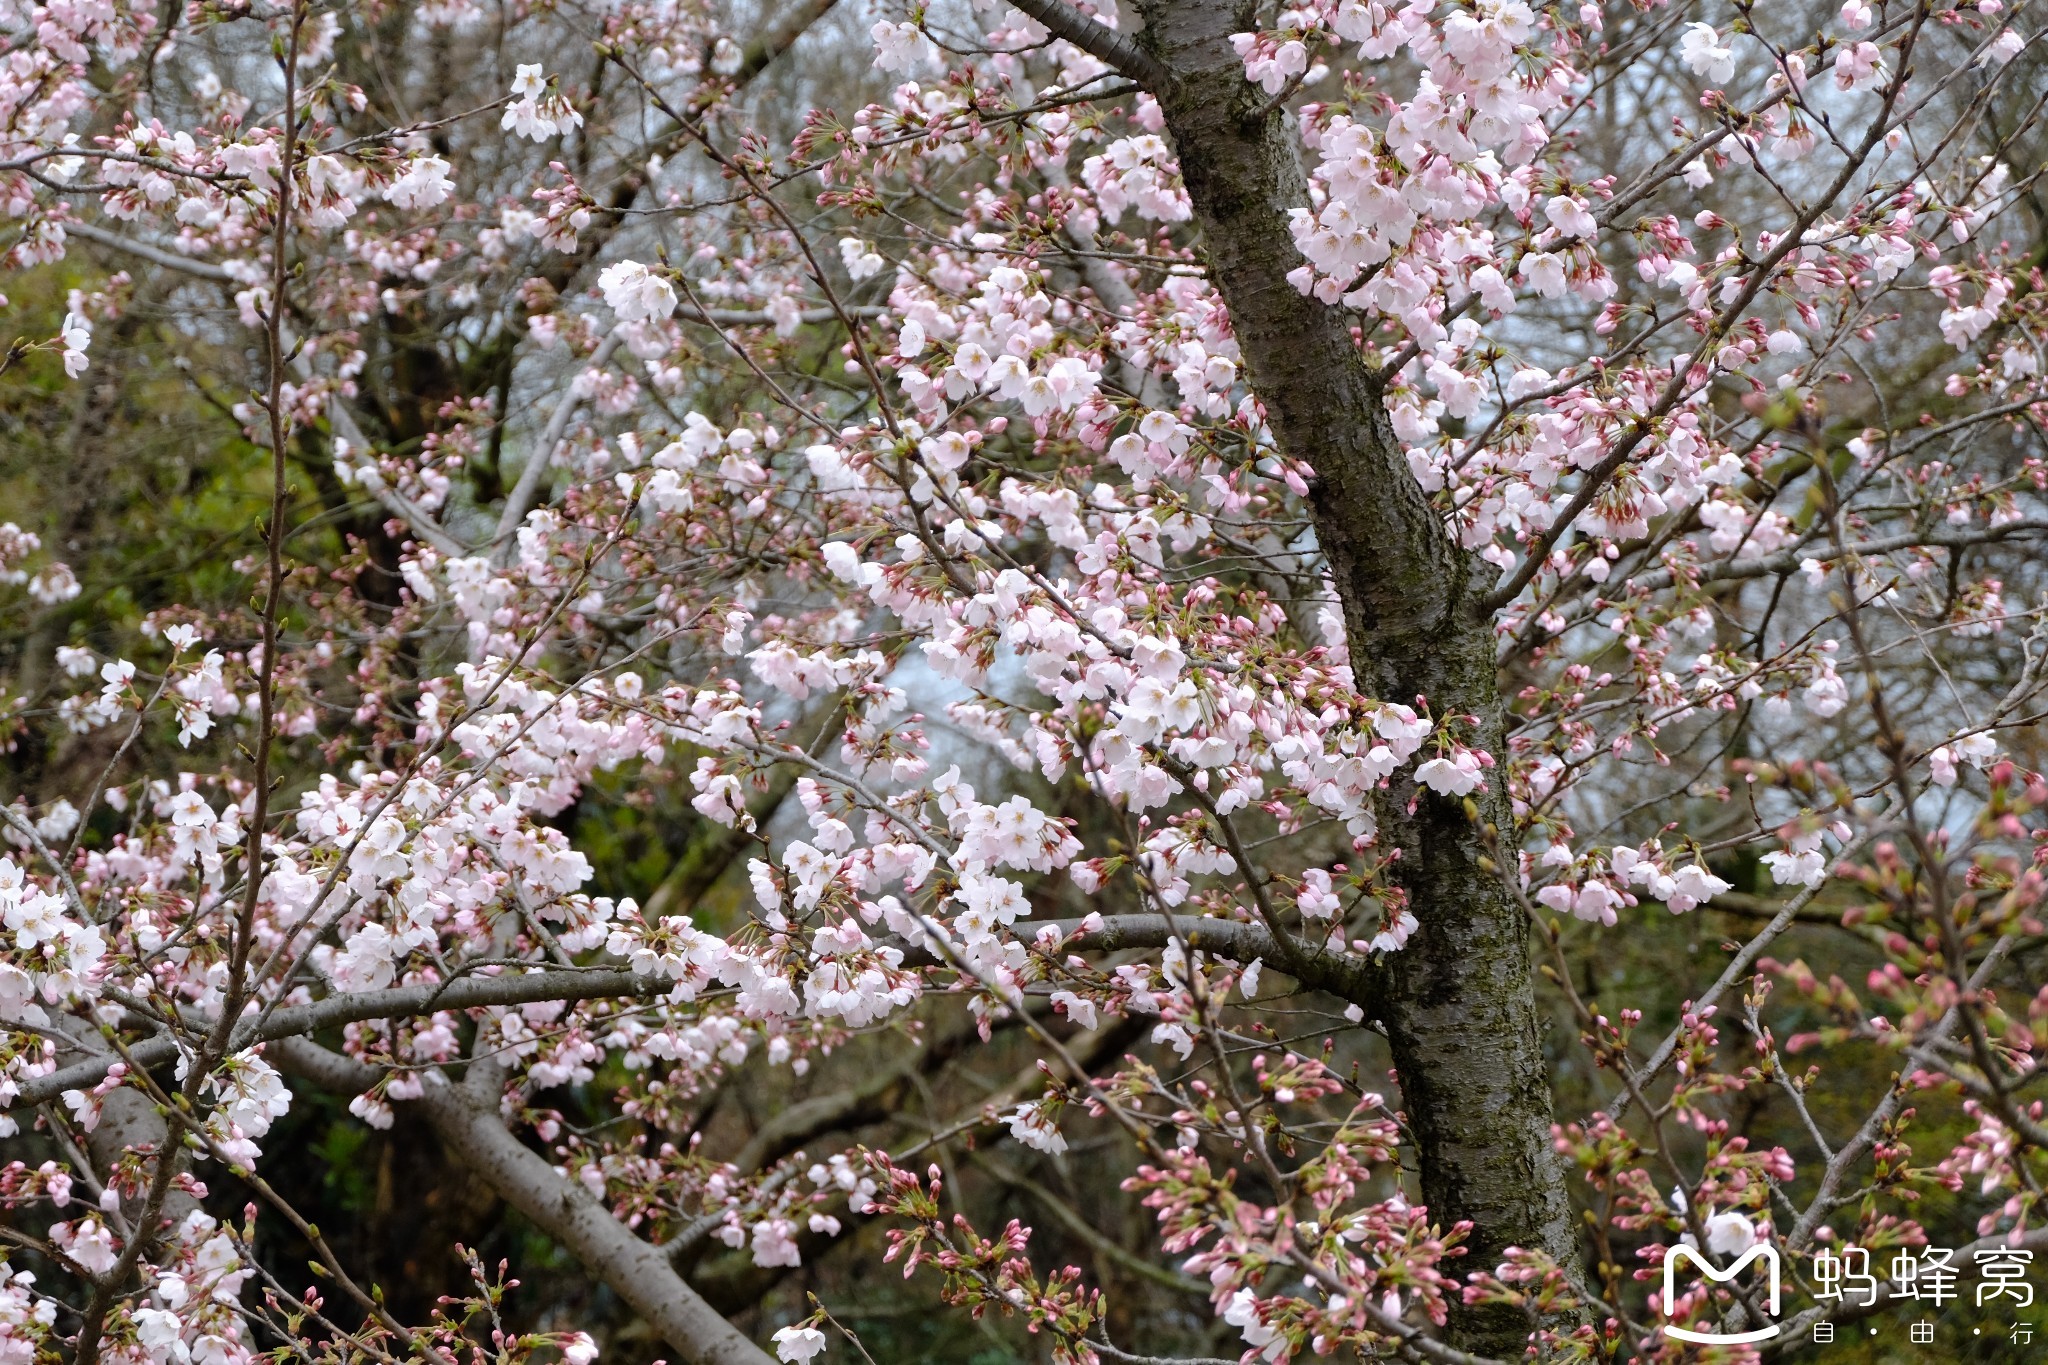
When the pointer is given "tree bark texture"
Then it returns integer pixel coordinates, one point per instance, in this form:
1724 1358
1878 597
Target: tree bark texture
1458 1003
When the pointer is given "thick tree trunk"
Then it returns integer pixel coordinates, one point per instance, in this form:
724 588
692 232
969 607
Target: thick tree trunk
1458 1003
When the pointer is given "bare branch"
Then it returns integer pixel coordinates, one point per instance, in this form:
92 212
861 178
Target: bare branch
469 1124
1097 39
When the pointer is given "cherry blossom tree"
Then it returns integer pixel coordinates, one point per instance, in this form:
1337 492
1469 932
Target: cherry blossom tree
1221 560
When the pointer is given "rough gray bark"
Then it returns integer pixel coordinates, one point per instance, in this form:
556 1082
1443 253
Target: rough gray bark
1458 1003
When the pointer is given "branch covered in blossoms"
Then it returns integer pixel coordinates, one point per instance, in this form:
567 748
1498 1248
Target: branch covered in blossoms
1085 682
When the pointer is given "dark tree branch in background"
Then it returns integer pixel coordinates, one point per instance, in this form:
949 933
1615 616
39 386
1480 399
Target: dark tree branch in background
1790 561
1099 40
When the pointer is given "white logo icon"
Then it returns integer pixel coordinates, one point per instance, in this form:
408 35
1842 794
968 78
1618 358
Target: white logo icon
1763 1251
